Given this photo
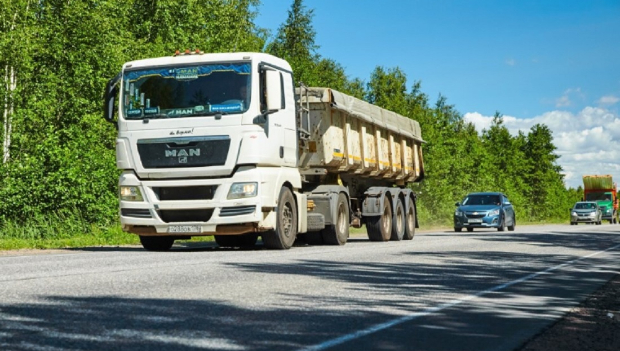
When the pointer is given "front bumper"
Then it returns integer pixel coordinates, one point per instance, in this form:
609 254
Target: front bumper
493 221
205 211
584 219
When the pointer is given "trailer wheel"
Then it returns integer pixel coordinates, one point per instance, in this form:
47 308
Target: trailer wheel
245 240
410 223
156 243
313 238
338 233
283 237
398 222
379 228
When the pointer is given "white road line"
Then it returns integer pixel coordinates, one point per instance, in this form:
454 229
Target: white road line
378 327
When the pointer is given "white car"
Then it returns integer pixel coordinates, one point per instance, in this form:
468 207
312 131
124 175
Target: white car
586 212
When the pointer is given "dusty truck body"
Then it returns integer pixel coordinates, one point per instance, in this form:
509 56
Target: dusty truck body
224 145
602 190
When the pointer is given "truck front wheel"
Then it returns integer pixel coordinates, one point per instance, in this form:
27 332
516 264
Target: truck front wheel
283 237
379 228
156 243
338 233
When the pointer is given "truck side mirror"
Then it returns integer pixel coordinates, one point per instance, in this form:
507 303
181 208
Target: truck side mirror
111 90
274 90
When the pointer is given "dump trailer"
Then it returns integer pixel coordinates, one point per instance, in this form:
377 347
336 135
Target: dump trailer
227 145
603 190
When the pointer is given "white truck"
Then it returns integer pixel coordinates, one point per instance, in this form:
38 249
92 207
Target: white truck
226 145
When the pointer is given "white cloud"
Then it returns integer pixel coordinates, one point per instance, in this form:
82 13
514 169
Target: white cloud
587 142
568 97
608 100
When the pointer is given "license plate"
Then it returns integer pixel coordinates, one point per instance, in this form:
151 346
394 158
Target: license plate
474 220
184 229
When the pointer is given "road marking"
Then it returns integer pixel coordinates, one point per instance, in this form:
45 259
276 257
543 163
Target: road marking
378 327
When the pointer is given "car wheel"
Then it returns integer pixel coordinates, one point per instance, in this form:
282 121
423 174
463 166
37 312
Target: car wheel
457 229
514 224
470 229
502 226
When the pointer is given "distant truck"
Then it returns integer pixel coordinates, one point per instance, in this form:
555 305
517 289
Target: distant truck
602 190
226 145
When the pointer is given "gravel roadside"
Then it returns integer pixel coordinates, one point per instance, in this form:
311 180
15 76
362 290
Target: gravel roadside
594 325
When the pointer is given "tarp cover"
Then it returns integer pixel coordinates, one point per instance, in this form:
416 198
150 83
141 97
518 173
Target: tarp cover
597 182
368 112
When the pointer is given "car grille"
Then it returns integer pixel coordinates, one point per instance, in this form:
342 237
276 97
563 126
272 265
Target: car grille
475 214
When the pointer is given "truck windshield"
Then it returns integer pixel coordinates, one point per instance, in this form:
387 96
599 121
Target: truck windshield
187 91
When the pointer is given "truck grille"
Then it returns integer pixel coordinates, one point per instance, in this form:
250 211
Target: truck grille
205 192
184 152
200 215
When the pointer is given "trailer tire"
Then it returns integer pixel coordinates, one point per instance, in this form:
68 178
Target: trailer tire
285 233
398 222
410 223
379 228
156 243
245 240
313 238
338 233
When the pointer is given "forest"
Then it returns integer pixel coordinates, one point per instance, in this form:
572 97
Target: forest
58 172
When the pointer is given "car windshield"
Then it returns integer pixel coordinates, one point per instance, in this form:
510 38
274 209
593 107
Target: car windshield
482 200
187 91
585 206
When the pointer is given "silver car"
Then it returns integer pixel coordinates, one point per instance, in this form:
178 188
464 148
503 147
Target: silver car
586 212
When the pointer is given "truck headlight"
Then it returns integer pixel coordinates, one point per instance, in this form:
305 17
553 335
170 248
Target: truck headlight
242 190
131 193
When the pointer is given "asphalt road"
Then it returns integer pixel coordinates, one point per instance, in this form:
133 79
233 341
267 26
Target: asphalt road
484 290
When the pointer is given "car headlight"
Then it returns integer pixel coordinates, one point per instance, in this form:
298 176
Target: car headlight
574 214
130 193
242 190
494 212
592 214
458 213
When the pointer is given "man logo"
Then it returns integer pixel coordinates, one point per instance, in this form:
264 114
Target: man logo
183 153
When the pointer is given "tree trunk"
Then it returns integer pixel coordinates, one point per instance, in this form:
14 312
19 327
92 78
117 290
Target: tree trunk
11 82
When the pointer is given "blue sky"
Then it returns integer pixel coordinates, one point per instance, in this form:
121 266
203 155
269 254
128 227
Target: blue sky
552 62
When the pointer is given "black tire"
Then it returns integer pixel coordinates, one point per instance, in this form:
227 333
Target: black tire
245 240
470 229
458 229
313 238
398 222
338 233
379 228
156 243
502 226
283 237
514 224
410 221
